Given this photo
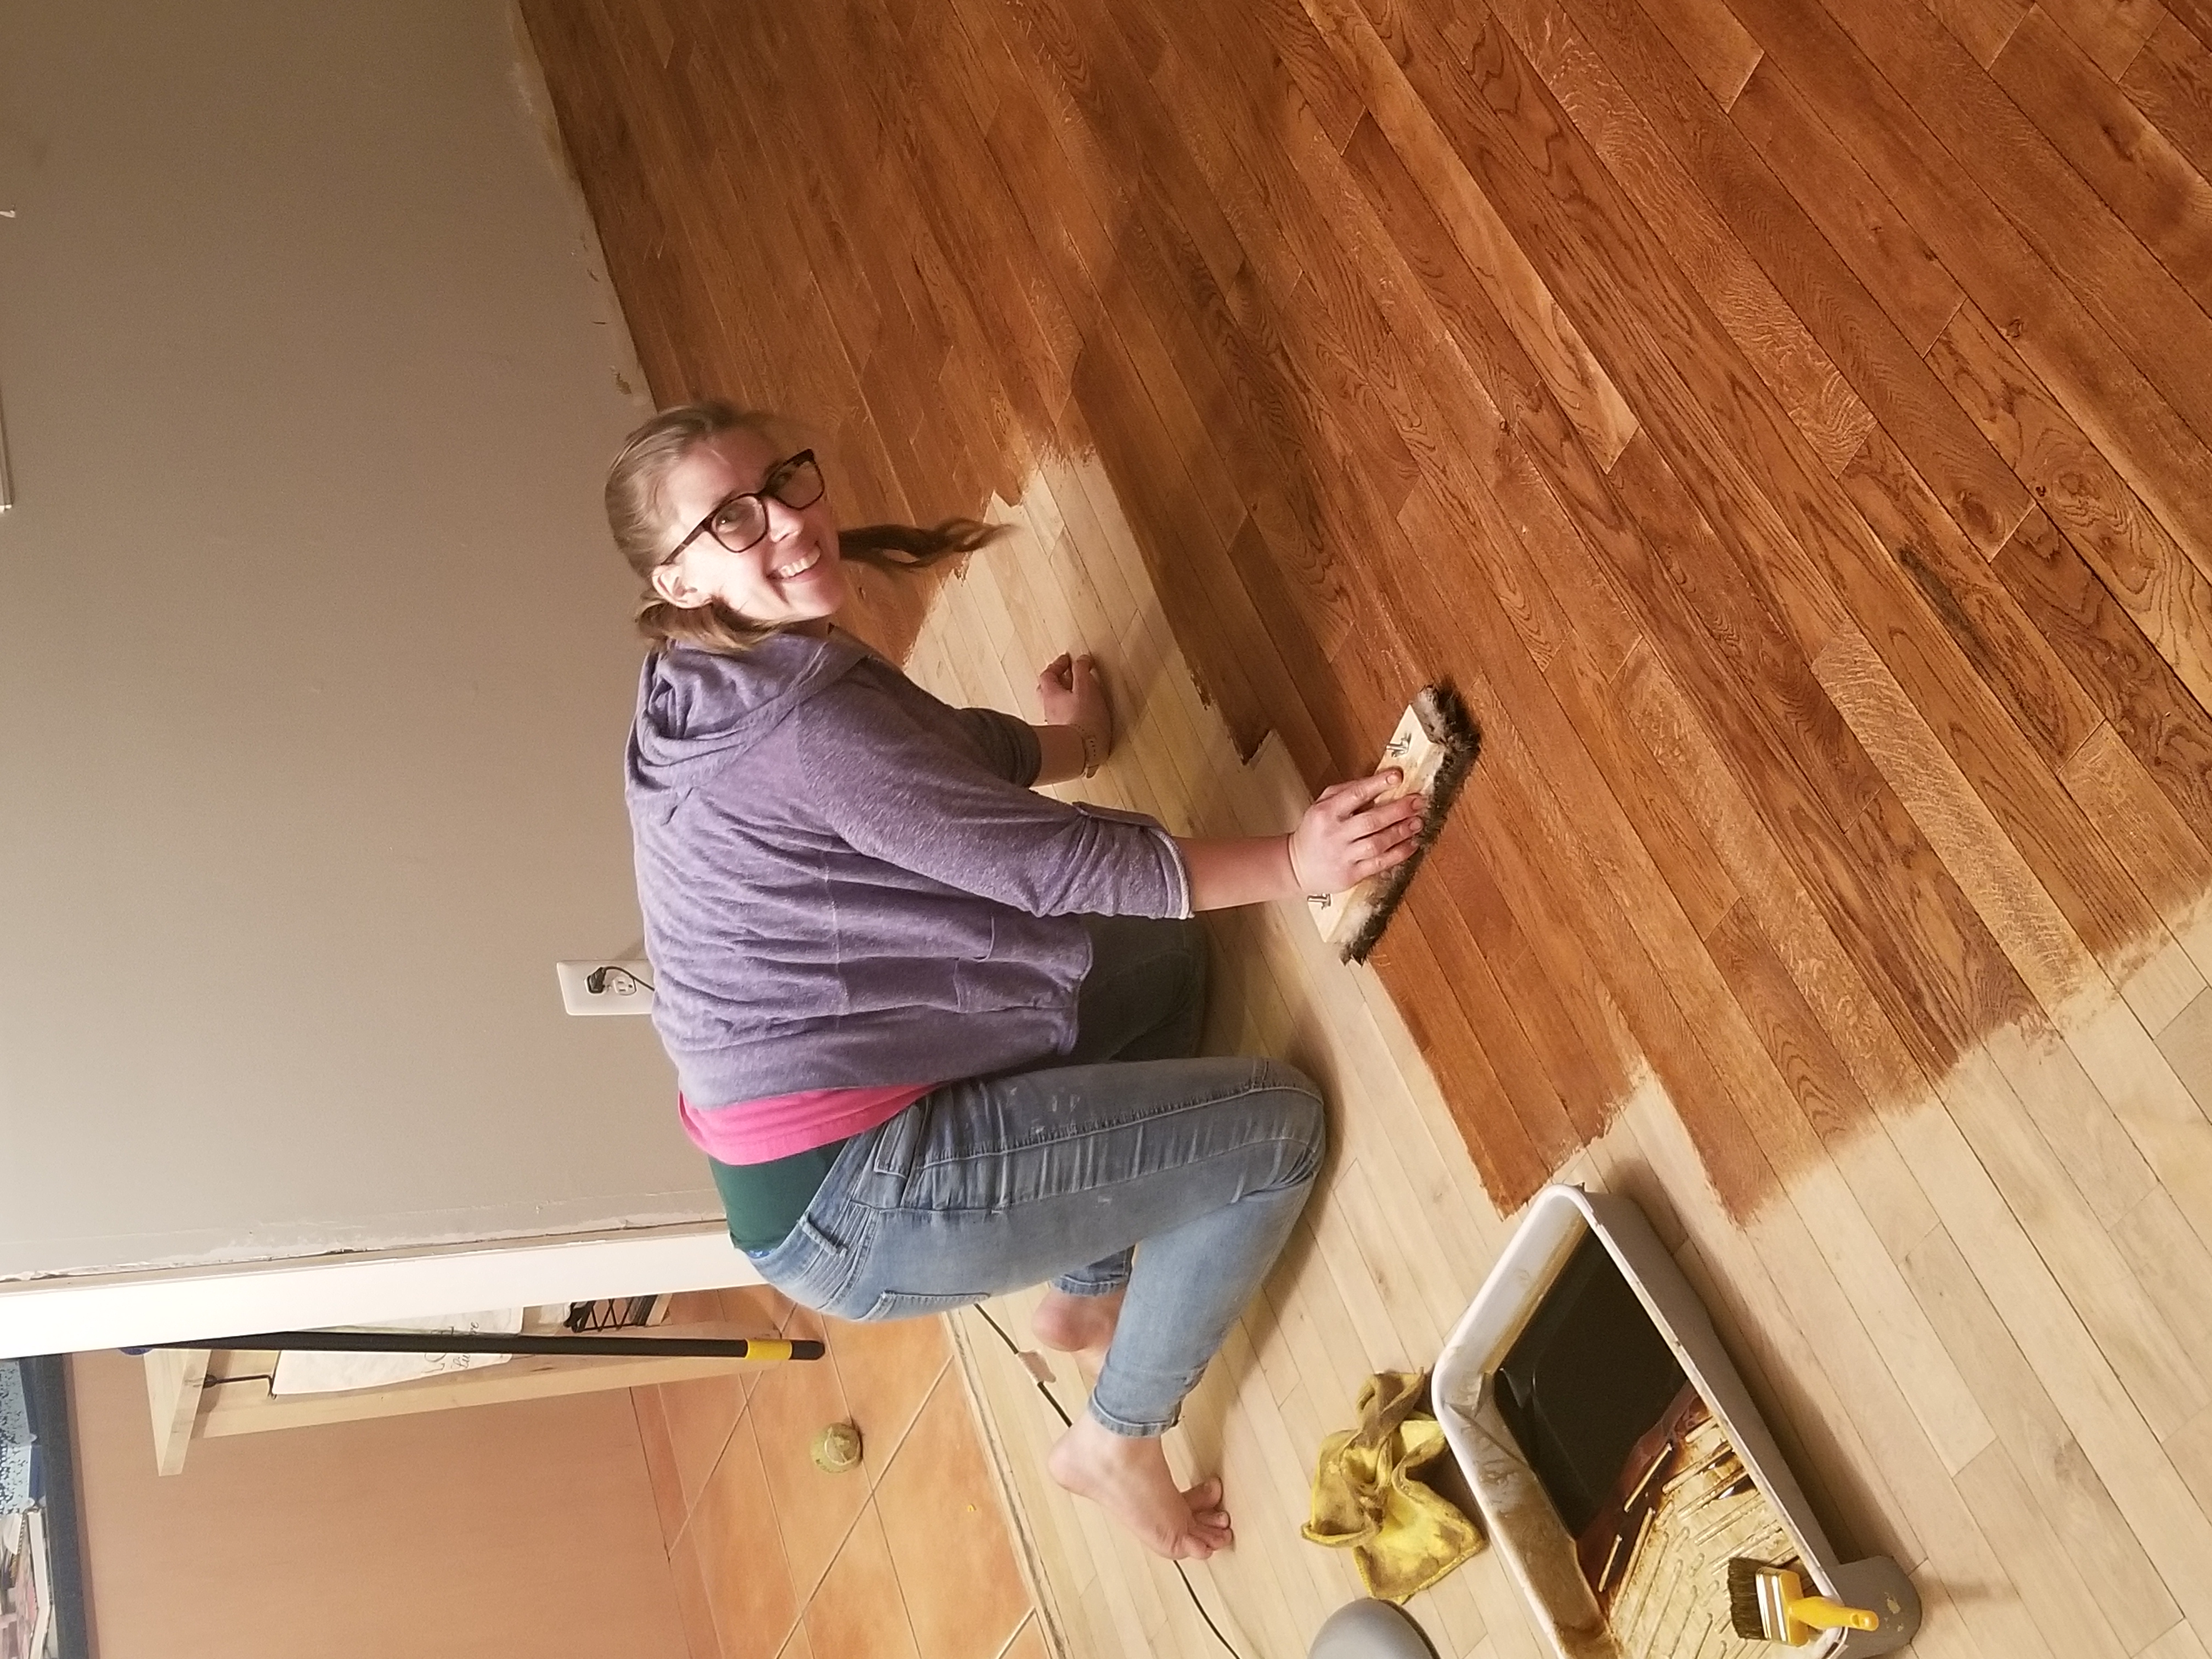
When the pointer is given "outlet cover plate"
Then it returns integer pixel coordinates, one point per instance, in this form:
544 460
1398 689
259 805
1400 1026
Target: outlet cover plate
578 997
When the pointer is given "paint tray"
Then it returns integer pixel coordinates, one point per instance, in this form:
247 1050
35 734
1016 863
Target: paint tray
1608 1440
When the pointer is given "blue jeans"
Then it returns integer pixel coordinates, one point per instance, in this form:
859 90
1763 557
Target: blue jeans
1063 1173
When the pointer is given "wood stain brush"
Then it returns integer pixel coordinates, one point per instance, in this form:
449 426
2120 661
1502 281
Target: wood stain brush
1433 749
1768 1604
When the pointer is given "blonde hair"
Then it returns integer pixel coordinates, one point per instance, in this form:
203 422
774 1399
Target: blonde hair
637 515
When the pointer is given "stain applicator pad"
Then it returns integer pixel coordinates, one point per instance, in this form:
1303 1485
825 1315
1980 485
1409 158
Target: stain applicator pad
1434 748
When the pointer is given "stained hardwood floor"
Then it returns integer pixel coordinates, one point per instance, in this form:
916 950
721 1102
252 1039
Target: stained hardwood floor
1786 421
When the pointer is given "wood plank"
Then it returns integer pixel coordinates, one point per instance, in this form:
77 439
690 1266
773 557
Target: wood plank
1207 366
1739 294
1644 1007
1800 1401
1534 888
1898 269
1405 1126
2109 31
1493 143
1870 1283
2179 1642
1976 610
2093 1265
2051 1587
1841 999
1542 328
2144 179
1359 439
2148 706
1588 602
2021 809
1322 79
1827 1096
1107 100
1560 1001
2168 865
1717 47
2151 445
2187 1045
2076 1370
903 371
1119 416
2045 950
1031 341
1983 26
2171 82
1736 1086
1835 800
2121 283
1088 251
1813 510
1676 843
1340 332
2060 1485
830 256
1564 563
2174 1265
1463 302
2162 583
2195 15
2011 781
1509 1160
1553 1130
1850 328
2030 1155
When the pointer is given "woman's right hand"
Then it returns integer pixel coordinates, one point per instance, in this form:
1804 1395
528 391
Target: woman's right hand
1348 834
1071 692
1354 831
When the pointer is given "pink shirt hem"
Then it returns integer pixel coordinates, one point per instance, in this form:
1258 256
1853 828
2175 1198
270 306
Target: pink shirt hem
782 1126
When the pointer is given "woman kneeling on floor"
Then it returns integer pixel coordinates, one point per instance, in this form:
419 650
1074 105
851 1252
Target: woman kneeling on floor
938 1032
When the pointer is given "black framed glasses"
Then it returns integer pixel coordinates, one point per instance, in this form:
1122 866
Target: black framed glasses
740 520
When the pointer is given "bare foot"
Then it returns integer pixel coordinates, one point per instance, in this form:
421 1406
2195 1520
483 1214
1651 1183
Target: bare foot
1129 1479
1080 1325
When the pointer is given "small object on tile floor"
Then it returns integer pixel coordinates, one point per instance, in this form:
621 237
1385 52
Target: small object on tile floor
837 1448
1370 1630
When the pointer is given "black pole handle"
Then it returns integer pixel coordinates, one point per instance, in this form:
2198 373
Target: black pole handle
636 1347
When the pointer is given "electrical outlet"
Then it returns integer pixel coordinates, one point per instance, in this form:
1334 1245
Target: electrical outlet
605 988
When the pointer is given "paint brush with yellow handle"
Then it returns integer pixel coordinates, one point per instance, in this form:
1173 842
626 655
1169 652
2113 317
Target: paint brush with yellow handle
1768 1604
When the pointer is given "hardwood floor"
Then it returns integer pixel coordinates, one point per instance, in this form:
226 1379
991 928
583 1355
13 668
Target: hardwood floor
1786 421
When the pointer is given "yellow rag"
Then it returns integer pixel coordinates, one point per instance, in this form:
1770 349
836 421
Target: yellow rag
1403 1537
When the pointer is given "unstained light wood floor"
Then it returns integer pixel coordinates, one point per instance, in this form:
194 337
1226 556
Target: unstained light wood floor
1786 421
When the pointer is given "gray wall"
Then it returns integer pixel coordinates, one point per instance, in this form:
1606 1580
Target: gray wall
315 661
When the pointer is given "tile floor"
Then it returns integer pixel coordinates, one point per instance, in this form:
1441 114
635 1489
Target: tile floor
909 1557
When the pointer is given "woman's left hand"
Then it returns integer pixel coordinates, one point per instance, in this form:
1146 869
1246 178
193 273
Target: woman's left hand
1072 694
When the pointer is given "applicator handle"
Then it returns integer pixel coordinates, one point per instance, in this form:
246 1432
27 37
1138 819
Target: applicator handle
1821 1614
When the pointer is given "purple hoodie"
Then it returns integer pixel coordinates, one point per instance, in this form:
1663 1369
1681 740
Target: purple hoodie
848 884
